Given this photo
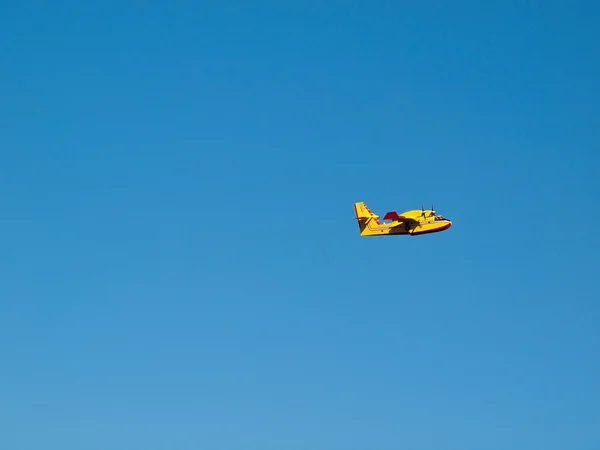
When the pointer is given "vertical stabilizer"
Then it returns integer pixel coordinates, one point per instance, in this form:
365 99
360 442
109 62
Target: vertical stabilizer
368 223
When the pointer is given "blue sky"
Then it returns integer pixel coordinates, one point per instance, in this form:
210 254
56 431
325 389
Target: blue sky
180 264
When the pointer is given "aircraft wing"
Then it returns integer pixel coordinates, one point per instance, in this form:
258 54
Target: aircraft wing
393 215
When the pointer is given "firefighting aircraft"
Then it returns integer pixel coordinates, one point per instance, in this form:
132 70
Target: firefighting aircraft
415 222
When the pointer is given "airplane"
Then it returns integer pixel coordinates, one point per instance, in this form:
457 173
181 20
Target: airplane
412 223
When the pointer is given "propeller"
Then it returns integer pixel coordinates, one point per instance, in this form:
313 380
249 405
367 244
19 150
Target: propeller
424 214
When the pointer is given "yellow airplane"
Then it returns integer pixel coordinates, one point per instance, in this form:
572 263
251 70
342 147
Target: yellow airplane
415 222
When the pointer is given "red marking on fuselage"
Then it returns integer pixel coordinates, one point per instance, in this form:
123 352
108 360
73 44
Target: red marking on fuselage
434 230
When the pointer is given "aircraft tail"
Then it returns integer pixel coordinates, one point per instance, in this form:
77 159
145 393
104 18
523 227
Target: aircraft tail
364 216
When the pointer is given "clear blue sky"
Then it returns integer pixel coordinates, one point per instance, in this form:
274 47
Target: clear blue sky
180 267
